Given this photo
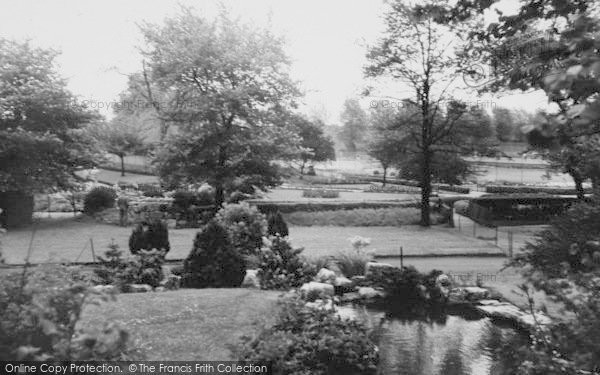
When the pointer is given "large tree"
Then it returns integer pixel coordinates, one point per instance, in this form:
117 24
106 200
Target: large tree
354 125
315 145
415 52
42 141
231 85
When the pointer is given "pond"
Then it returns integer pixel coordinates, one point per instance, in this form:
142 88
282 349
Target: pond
453 343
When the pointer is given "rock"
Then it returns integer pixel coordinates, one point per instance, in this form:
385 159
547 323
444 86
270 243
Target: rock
320 304
443 281
374 270
138 288
251 279
457 295
105 288
325 276
160 289
172 282
507 311
342 281
358 280
475 293
366 292
351 297
314 290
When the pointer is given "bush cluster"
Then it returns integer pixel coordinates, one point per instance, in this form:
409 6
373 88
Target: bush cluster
276 225
98 199
320 193
281 267
313 341
193 207
152 235
40 312
214 261
408 288
143 268
246 226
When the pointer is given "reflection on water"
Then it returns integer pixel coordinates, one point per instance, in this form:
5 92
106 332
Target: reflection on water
444 345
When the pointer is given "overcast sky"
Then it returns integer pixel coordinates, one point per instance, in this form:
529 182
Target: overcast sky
326 40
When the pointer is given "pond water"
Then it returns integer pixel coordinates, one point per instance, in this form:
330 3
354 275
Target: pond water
449 344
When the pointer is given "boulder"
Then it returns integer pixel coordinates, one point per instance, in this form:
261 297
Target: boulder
443 280
321 304
251 280
366 292
138 288
374 270
351 297
358 280
325 276
475 293
172 282
507 311
160 289
314 290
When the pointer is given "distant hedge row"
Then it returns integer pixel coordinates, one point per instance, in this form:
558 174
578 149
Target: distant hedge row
287 207
532 189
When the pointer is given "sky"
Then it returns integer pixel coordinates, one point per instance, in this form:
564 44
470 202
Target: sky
325 39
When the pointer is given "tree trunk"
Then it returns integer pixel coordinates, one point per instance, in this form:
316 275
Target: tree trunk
122 164
219 195
425 188
384 175
302 169
578 183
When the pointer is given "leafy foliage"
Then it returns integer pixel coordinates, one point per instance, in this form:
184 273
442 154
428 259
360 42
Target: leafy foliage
225 85
354 125
352 263
213 261
245 224
145 267
98 199
281 267
153 235
315 341
40 311
315 145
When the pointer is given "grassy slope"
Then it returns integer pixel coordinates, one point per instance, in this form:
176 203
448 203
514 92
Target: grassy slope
64 239
188 324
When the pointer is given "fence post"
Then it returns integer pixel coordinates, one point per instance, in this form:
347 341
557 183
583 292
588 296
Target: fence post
510 244
474 229
93 253
496 239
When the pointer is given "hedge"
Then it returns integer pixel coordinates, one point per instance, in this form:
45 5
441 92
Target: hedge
499 189
287 207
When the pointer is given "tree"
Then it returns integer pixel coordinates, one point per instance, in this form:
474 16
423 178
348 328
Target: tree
354 125
414 51
504 124
314 144
552 46
387 144
120 139
42 141
230 84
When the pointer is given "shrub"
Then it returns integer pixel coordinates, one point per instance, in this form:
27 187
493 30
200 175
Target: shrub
151 190
352 263
407 288
312 341
143 268
461 207
319 262
195 208
154 235
213 261
311 171
320 193
245 224
40 315
276 225
98 199
281 267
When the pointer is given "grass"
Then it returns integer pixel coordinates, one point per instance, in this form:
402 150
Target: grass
358 217
188 324
66 238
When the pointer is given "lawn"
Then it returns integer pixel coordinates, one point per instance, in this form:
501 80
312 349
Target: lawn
188 324
66 238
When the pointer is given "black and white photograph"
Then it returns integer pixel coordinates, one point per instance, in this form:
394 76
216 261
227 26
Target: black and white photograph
286 187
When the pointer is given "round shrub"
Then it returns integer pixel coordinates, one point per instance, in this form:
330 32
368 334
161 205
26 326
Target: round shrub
276 225
245 224
281 267
98 199
313 341
213 261
153 235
